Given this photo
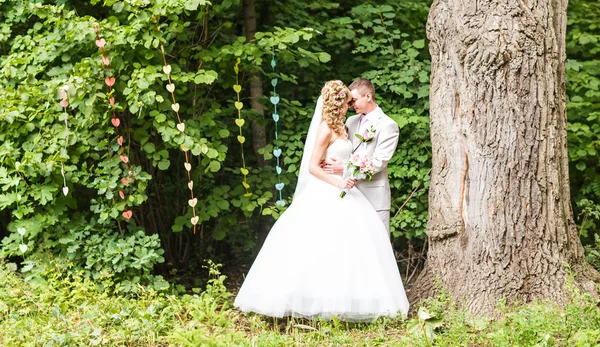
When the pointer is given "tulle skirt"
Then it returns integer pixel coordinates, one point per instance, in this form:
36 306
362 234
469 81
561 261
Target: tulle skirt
326 256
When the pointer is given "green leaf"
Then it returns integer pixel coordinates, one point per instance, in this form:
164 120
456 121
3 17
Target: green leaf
149 147
164 164
419 44
214 166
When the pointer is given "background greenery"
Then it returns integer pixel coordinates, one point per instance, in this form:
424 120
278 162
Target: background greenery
45 45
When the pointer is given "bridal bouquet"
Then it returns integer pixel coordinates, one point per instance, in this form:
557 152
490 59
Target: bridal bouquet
359 167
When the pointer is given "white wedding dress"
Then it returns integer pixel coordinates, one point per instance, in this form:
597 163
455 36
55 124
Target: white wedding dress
326 256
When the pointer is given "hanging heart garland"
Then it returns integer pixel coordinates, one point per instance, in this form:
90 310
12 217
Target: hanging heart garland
277 152
115 121
237 88
181 127
64 103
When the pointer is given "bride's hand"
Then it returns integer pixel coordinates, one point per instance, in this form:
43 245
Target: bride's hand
348 182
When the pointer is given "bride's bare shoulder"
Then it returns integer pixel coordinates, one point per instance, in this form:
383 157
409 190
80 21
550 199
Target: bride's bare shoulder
324 129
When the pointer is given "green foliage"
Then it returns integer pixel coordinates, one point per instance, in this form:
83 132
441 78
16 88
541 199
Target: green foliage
46 47
583 111
71 309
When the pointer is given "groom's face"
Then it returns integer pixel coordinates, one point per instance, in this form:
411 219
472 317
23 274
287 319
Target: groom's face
359 102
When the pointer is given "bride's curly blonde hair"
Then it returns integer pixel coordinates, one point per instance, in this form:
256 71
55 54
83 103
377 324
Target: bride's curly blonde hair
335 94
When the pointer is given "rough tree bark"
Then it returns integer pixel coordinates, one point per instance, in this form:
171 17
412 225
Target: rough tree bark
259 135
500 219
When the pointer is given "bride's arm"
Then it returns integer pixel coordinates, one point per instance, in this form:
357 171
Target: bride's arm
324 136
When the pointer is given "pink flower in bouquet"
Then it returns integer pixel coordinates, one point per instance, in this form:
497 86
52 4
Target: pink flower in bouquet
359 167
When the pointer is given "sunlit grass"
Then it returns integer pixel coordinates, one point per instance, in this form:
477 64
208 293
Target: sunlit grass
70 310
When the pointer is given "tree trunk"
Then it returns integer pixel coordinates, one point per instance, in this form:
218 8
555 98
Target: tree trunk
259 134
500 219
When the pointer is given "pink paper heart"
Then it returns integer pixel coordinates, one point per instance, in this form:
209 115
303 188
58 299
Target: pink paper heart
193 202
110 81
112 101
120 140
195 220
191 185
167 69
105 60
125 159
121 194
100 43
125 181
64 103
127 214
115 122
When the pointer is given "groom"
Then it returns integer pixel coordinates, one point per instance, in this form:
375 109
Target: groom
379 137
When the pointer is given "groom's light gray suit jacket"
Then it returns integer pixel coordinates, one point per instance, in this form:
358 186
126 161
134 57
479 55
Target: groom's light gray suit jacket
381 149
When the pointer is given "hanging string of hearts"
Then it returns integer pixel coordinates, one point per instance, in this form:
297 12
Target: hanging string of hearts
181 127
277 152
64 103
115 121
240 122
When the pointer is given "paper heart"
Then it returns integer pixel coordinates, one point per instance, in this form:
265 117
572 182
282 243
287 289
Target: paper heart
240 122
238 105
115 122
279 186
120 140
188 166
171 87
175 107
106 61
65 190
277 152
237 88
191 185
276 117
181 127
125 181
127 214
194 220
274 100
274 82
241 139
110 81
244 171
21 231
111 101
121 194
278 169
100 43
125 159
193 202
280 203
167 69
64 103
246 185
23 248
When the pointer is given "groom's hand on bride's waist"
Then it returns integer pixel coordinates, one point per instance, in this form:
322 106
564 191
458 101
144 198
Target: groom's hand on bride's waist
333 166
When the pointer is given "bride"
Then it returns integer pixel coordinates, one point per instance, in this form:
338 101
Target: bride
326 256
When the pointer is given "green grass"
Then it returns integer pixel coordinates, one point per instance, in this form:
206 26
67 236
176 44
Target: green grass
69 310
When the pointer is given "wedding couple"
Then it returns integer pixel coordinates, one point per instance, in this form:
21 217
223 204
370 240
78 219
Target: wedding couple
328 256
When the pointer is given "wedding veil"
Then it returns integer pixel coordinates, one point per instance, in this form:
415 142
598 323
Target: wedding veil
309 144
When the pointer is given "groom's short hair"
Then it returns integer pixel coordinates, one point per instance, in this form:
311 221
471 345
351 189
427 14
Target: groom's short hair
363 86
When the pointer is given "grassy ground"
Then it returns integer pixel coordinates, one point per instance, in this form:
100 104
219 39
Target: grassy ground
69 310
